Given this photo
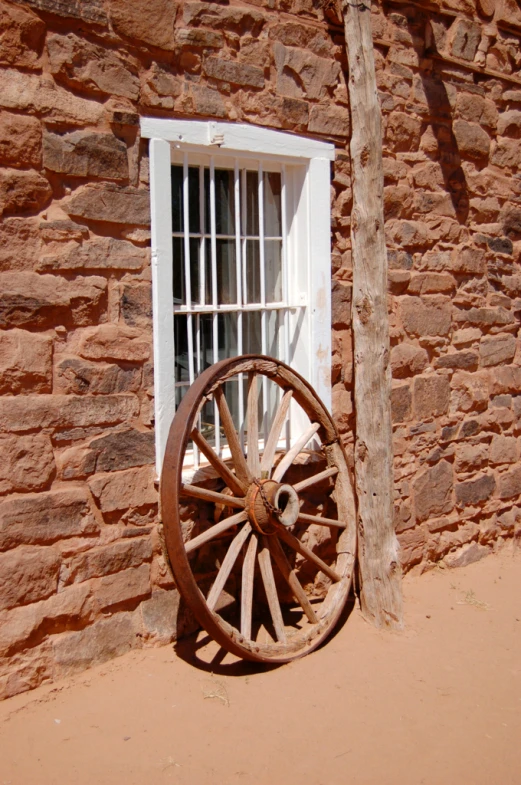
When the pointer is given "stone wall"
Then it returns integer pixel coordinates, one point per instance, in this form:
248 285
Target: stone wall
82 576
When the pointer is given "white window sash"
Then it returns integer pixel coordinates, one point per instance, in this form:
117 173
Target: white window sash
308 243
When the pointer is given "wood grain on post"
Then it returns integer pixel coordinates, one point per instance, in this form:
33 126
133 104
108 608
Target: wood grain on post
380 572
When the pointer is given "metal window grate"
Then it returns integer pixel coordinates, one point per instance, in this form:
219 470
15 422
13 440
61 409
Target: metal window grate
231 283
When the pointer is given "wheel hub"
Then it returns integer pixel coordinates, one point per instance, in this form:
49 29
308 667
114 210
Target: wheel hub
271 504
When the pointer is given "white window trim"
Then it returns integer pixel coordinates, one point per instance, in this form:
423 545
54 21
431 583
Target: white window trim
314 354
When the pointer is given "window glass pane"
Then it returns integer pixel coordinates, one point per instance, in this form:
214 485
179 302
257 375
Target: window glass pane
227 331
178 202
181 348
179 277
253 291
273 270
207 422
226 272
252 203
177 198
224 201
272 210
251 332
193 199
206 340
273 329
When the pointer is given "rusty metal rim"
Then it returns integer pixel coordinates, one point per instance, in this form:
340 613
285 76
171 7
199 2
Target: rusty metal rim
170 487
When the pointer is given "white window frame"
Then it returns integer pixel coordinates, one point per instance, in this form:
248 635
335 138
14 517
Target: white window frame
309 241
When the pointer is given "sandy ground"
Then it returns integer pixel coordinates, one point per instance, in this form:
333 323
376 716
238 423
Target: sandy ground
438 704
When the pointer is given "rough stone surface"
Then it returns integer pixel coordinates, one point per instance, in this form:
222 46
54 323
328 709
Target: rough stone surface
22 191
32 93
20 140
148 21
22 34
103 640
86 154
27 574
25 362
433 491
119 490
45 518
46 300
110 203
87 66
27 463
102 253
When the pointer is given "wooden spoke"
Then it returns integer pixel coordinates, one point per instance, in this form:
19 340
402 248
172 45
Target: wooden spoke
215 530
291 579
303 518
212 496
236 485
290 456
239 461
270 587
227 565
274 435
304 551
248 574
253 425
307 483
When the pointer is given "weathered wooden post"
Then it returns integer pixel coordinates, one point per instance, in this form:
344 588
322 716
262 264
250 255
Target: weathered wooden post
380 572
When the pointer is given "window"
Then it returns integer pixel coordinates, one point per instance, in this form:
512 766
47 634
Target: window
240 257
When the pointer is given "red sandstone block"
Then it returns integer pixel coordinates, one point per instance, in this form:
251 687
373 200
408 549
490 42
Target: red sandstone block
45 301
98 253
131 584
110 203
510 483
86 154
79 377
150 21
25 362
27 574
475 491
19 244
432 491
403 132
472 140
20 140
27 412
114 342
401 403
497 349
431 395
116 557
27 462
44 518
18 625
36 94
503 449
428 315
21 191
124 489
470 391
81 63
408 360
106 638
22 34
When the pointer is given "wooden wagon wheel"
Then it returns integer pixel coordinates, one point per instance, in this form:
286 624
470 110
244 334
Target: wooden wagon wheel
266 579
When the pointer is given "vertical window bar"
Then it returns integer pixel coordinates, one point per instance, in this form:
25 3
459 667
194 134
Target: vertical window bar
188 280
188 286
215 322
202 241
285 290
243 234
264 315
238 254
198 369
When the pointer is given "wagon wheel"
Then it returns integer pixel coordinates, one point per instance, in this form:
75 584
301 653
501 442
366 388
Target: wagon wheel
262 539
